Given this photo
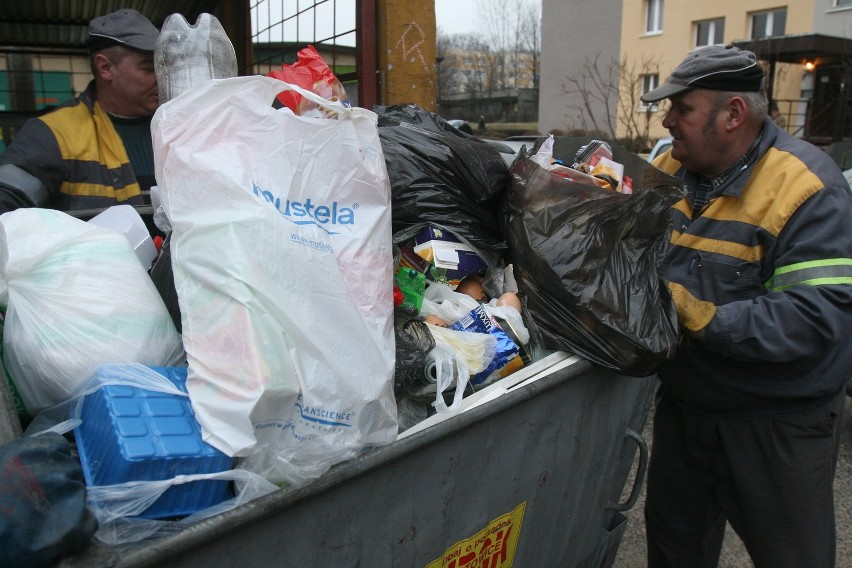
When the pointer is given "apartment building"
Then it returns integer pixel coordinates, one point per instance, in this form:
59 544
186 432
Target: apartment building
480 72
663 32
804 45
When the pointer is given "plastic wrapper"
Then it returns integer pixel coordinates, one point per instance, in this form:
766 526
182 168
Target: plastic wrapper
586 261
592 153
479 321
312 73
441 177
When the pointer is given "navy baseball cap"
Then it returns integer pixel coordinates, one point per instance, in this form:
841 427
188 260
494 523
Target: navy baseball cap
716 67
125 27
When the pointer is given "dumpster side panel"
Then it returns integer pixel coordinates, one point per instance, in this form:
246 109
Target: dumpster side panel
558 446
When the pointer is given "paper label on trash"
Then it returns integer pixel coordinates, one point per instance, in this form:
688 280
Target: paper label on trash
494 546
445 254
446 258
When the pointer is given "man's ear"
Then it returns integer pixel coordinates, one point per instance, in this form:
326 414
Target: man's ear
737 112
103 66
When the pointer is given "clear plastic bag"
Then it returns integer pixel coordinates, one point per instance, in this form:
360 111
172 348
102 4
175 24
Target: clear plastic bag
457 356
446 304
116 506
445 367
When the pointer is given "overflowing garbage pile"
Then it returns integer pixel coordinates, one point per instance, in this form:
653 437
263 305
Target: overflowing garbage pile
331 276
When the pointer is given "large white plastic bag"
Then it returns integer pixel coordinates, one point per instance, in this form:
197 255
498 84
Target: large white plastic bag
77 297
287 317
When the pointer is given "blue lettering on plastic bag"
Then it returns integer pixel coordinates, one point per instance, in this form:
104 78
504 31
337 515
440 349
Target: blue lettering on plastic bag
308 212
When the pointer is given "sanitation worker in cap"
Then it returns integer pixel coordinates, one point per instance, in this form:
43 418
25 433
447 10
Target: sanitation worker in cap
93 151
748 414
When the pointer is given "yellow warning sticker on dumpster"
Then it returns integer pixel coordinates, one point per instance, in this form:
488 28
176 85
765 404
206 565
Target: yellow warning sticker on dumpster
492 547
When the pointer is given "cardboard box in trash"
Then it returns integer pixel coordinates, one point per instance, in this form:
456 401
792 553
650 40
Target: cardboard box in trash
132 434
449 260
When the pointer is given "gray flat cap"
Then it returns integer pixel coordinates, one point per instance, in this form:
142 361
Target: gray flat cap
716 67
125 27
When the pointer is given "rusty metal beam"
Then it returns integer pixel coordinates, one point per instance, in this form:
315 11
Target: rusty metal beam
365 53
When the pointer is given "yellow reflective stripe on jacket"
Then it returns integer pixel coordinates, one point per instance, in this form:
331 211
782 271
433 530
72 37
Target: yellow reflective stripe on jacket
812 273
96 162
770 208
736 250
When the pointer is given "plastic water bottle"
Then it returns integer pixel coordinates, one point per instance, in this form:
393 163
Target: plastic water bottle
187 55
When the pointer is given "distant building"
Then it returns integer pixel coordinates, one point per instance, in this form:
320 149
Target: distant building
479 71
664 32
809 73
501 87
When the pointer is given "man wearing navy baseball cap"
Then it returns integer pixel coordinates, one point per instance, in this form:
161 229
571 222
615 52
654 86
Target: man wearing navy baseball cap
95 150
748 415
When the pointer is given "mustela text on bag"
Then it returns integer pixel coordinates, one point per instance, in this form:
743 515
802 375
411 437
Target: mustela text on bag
307 212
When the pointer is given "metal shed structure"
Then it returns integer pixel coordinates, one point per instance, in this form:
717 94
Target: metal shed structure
43 56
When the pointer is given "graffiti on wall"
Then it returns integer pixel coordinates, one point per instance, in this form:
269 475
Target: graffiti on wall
410 42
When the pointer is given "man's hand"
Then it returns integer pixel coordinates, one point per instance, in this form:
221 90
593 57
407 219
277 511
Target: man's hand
693 314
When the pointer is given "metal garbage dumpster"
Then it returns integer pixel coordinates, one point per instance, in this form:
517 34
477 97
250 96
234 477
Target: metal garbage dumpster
530 475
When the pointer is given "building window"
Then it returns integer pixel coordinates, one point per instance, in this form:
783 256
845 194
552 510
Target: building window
842 3
710 32
649 83
768 24
654 16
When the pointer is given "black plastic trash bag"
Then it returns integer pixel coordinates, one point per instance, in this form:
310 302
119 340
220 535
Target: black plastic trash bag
163 277
43 501
586 260
441 176
413 344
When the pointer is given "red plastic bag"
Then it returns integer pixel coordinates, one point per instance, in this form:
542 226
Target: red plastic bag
309 72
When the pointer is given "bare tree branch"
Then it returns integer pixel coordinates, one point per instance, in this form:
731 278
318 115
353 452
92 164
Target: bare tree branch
596 85
603 88
636 116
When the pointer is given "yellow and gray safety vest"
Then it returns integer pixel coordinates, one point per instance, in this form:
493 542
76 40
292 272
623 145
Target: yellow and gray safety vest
768 263
72 159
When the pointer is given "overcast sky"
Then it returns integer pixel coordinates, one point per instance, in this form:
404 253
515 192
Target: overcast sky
460 16
456 16
451 16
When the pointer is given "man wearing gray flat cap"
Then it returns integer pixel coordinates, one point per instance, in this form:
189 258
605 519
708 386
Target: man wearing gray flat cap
748 412
95 150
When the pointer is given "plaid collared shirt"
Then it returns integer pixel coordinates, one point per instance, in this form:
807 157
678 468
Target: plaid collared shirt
709 187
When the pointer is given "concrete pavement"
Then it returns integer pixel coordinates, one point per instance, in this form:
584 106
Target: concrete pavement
631 552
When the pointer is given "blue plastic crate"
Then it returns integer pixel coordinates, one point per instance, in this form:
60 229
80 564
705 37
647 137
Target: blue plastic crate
131 434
